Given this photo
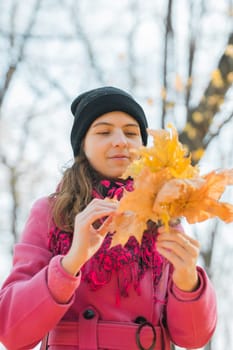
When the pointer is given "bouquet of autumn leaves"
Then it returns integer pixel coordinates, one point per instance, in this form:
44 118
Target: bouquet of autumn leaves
167 187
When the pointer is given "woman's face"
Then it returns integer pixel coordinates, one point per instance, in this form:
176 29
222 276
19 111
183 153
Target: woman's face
108 142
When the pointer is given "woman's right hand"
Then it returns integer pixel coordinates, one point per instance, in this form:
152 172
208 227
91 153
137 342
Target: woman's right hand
87 239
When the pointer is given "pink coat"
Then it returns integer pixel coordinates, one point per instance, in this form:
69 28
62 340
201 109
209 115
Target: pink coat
92 319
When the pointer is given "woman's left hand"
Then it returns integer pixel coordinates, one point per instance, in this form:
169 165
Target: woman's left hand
182 252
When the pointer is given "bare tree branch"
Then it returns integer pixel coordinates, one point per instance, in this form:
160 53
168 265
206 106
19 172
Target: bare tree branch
3 160
211 136
191 53
81 34
130 41
36 36
194 34
14 65
54 83
168 38
15 201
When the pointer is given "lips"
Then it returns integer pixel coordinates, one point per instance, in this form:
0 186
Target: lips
119 156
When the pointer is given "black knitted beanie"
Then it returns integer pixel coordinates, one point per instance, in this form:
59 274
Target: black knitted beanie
92 104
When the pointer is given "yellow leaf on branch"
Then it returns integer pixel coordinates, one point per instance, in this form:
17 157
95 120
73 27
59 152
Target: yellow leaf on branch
229 50
217 79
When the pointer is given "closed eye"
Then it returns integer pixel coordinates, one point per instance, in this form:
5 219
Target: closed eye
131 133
103 133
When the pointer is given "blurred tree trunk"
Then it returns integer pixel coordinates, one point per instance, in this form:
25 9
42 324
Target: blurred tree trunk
196 135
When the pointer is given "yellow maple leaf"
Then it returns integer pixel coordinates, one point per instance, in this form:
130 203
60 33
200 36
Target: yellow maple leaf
166 187
125 225
138 206
166 153
195 199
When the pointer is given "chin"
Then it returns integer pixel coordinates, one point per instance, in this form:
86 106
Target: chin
115 175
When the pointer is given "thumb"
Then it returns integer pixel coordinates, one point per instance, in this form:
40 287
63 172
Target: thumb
105 227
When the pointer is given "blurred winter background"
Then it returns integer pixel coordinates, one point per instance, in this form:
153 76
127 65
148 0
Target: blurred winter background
174 56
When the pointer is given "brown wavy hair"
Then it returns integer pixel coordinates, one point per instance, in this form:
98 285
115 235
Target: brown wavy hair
74 192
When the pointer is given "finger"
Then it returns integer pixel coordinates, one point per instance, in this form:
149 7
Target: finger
87 218
174 228
178 257
98 206
178 235
105 227
167 240
170 256
183 250
104 203
184 275
190 240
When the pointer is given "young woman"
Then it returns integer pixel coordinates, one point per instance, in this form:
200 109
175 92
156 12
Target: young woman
69 283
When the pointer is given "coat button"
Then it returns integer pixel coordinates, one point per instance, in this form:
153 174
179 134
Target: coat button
88 314
140 320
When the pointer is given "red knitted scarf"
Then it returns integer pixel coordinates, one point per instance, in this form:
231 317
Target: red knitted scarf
129 263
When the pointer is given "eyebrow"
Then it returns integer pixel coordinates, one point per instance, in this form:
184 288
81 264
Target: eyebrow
109 124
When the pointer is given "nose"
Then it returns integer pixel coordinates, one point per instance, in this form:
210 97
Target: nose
119 139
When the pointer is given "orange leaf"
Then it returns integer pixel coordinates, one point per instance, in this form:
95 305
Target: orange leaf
166 187
126 225
196 199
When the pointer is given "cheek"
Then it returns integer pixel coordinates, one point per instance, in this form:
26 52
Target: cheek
89 146
136 143
94 152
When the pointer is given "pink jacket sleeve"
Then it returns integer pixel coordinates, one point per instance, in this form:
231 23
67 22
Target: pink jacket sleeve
28 308
192 317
